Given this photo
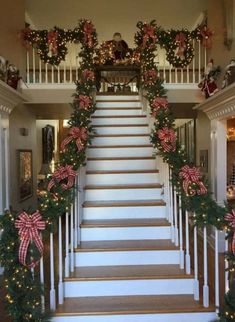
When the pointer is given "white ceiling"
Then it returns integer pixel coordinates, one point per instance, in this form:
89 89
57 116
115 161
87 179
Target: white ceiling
110 16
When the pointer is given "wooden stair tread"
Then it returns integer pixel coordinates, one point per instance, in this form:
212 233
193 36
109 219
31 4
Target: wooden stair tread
121 125
117 108
117 116
125 203
111 223
126 245
122 171
121 146
124 186
120 135
131 272
120 158
147 304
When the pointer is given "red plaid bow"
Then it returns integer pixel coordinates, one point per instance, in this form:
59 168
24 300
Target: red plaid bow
180 41
149 33
28 226
63 173
88 30
157 104
189 176
206 34
84 101
88 74
168 139
150 76
52 37
78 134
231 220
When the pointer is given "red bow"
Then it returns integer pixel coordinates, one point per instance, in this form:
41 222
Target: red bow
206 34
150 76
78 134
189 176
88 30
84 101
157 104
24 36
28 226
88 74
52 37
63 173
149 33
231 219
180 41
168 139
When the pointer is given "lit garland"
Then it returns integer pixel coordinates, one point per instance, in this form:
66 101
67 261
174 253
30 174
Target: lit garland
186 177
23 289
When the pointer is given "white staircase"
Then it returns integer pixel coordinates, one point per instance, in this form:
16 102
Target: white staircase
126 268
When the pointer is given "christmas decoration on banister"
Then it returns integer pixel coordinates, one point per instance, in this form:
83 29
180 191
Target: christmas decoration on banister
23 235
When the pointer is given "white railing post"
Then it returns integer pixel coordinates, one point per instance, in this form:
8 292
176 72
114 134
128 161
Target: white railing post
52 275
67 244
196 281
78 208
176 218
181 235
205 270
187 246
216 270
40 70
194 77
46 73
199 61
71 238
171 207
60 260
27 67
226 268
76 214
42 283
34 68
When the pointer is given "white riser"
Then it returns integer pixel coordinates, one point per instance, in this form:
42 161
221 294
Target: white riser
120 152
118 104
125 233
122 194
121 164
167 317
120 178
122 130
129 287
152 257
117 98
121 140
119 120
115 112
124 212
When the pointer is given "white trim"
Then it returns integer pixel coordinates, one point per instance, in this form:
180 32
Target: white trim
9 98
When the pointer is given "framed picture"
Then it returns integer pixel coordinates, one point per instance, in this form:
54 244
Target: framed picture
25 169
203 157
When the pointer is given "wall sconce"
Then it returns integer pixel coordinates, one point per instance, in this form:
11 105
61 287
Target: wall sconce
24 131
231 134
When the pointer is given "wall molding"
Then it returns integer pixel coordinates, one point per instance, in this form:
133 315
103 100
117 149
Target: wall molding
9 98
220 106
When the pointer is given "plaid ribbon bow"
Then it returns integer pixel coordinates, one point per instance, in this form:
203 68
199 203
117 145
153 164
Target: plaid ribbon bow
180 40
52 37
149 33
192 175
78 134
84 101
88 30
63 173
231 221
168 139
29 227
157 104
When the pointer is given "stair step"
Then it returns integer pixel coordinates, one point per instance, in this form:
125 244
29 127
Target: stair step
121 140
117 103
125 223
120 135
120 146
122 203
121 125
149 308
122 172
118 120
113 151
100 273
122 186
118 116
122 158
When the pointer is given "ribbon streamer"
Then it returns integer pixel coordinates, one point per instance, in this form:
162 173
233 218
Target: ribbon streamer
79 135
60 174
168 139
192 175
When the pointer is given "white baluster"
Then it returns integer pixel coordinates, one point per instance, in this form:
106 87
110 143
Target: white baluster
205 58
40 70
52 274
199 61
52 75
70 72
187 71
34 68
170 72
65 72
196 281
76 62
181 234
164 65
58 74
194 77
187 251
216 269
27 64
182 75
171 209
71 239
75 215
205 269
226 268
6 167
42 283
176 218
60 257
46 73
176 75
67 244
78 207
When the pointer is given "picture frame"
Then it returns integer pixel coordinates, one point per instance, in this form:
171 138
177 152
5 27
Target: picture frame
25 174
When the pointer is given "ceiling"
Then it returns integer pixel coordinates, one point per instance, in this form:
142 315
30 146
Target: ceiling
110 16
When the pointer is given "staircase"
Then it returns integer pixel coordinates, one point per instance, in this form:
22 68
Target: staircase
126 268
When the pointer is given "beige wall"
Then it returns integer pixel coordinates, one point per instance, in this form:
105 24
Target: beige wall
12 21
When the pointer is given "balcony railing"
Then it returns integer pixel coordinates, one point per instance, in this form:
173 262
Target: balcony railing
39 72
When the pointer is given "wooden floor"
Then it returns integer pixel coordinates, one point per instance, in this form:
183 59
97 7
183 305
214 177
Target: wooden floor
131 305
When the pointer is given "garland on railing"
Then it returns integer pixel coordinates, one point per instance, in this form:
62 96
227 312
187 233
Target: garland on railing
52 44
21 245
186 177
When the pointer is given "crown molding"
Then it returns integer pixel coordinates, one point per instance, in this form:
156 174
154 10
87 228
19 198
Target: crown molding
9 98
219 106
